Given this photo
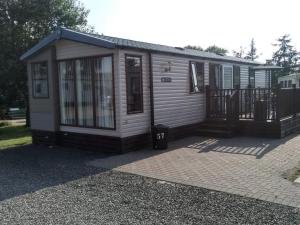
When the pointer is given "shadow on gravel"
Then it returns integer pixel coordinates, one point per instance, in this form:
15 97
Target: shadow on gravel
28 169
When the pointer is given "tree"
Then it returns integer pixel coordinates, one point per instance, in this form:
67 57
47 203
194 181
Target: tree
22 24
239 53
286 55
194 47
252 54
217 50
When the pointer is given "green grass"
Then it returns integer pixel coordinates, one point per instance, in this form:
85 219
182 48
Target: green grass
14 135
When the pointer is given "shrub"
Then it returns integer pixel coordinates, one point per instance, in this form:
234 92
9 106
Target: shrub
4 123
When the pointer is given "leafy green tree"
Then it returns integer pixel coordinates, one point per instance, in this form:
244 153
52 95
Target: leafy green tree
217 50
252 54
22 24
194 47
286 55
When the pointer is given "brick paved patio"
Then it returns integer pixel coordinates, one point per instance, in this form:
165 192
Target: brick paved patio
245 166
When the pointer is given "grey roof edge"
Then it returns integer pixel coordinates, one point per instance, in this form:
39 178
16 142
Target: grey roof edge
41 44
226 59
269 67
97 40
64 33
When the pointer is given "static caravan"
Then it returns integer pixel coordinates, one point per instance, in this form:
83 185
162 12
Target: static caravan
105 93
288 80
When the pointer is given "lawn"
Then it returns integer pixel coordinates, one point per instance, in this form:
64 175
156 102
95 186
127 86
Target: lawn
13 134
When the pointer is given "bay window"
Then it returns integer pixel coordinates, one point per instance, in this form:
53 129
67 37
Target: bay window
86 92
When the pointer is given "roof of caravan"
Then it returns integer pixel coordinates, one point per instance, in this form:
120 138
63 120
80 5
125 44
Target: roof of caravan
114 42
266 67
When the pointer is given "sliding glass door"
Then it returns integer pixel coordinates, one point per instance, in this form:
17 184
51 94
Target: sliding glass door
86 92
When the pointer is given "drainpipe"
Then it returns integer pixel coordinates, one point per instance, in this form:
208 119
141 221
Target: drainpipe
151 89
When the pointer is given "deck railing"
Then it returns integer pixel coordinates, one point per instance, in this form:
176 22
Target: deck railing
260 104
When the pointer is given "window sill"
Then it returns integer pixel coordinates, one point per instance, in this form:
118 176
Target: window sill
134 112
195 93
88 127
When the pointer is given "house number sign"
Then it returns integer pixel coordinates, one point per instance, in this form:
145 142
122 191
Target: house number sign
166 79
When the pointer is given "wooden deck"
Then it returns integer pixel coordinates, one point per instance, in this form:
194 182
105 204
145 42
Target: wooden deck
253 112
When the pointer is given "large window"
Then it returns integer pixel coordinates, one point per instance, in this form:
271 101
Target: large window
134 84
40 80
197 77
86 92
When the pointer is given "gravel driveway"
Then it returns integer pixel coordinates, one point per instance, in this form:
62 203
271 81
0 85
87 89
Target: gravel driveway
54 186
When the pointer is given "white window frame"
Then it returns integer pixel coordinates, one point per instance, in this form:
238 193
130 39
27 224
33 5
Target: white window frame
223 71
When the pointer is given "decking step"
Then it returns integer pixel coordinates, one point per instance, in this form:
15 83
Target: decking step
217 128
215 132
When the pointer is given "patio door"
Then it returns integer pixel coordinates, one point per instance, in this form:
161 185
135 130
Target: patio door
227 77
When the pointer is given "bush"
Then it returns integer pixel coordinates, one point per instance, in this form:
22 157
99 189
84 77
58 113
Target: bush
4 123
3 112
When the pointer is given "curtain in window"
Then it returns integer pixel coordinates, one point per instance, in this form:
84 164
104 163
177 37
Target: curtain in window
84 90
104 92
66 90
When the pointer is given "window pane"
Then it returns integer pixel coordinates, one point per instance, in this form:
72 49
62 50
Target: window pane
197 77
134 84
67 93
227 74
40 88
251 78
194 78
84 92
40 80
236 76
104 92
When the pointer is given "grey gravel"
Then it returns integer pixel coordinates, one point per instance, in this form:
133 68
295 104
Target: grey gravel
39 185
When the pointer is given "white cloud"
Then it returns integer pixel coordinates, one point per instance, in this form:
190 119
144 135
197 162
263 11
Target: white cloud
228 24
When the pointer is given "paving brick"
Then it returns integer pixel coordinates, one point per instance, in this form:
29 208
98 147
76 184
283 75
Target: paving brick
256 174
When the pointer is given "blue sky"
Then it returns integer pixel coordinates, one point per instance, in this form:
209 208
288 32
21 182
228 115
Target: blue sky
229 24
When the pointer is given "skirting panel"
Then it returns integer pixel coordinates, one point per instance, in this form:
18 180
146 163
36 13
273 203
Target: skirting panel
107 144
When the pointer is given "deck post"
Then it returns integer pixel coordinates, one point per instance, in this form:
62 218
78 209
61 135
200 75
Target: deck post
294 100
208 100
237 103
277 91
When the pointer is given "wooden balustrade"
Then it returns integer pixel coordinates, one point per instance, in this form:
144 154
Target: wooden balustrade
261 104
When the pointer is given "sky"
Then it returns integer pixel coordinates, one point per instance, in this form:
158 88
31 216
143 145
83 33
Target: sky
225 23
